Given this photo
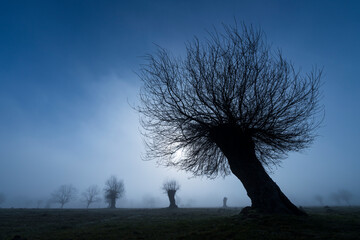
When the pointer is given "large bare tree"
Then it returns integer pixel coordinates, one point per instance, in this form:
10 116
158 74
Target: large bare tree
114 189
230 105
64 194
170 188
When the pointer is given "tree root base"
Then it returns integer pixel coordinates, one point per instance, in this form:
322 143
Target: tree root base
250 212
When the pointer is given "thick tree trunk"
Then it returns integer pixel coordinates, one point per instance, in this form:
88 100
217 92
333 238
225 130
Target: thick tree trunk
112 203
171 195
265 195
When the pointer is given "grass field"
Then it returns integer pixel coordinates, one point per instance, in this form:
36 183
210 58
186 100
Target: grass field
190 223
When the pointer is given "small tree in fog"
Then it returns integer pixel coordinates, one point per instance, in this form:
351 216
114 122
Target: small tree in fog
39 202
319 199
91 195
225 202
64 194
48 203
28 203
345 196
2 198
149 201
114 189
336 198
170 187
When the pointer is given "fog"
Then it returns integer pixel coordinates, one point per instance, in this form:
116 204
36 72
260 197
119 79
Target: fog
68 86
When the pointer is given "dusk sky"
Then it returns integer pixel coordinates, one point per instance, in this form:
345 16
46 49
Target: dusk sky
68 81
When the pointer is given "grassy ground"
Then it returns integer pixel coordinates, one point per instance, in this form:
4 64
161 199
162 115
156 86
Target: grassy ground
197 223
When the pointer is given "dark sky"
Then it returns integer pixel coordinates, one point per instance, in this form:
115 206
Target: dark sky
68 78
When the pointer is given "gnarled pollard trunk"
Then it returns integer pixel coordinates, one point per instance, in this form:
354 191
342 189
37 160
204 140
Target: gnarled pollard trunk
239 149
171 195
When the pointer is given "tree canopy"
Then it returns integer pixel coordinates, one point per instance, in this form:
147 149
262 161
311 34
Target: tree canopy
170 185
232 79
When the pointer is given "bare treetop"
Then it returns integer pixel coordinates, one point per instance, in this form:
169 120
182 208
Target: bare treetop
171 185
231 81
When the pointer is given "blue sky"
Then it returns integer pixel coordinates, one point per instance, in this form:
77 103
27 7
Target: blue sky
68 78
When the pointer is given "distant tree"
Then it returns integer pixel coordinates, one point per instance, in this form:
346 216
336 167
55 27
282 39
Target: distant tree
2 198
225 202
48 203
28 203
114 189
91 195
345 196
64 194
189 203
149 201
170 187
39 202
336 198
319 199
230 105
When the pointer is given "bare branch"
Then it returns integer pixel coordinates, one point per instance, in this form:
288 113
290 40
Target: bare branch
171 185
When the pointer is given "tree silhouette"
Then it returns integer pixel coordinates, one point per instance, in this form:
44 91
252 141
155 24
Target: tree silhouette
170 187
336 198
114 189
345 195
319 198
2 198
149 201
64 194
230 105
225 202
91 195
39 202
